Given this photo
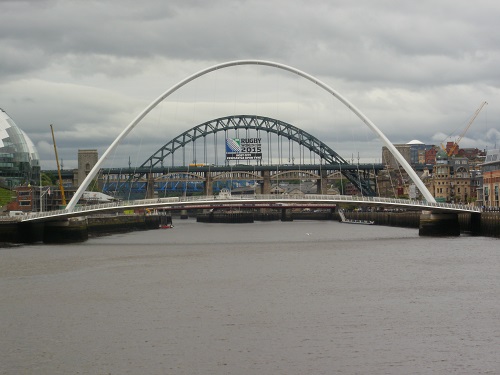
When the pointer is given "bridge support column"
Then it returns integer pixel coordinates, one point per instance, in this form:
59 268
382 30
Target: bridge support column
208 184
439 224
322 184
266 184
150 186
286 215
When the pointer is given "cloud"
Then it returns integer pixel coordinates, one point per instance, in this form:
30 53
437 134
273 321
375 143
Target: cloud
417 70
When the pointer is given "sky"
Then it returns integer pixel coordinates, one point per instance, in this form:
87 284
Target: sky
416 69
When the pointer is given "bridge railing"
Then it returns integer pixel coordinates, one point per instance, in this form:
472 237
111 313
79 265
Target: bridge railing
104 207
341 198
158 202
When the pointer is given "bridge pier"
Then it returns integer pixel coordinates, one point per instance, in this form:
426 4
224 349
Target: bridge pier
286 215
150 186
434 224
208 184
184 214
266 184
322 184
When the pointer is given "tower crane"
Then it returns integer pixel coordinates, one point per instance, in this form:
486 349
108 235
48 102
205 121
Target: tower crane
455 144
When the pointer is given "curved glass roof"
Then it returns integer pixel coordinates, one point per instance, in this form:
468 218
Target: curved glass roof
18 155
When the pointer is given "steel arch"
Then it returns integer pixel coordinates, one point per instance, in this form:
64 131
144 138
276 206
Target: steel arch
259 123
93 172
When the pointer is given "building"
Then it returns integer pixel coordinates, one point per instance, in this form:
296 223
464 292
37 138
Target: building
414 152
476 186
19 160
430 155
471 153
417 152
87 159
23 199
451 179
388 158
491 178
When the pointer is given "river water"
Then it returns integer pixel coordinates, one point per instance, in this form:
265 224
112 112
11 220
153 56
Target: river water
263 298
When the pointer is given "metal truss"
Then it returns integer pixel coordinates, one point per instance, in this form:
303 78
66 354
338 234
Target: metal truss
259 123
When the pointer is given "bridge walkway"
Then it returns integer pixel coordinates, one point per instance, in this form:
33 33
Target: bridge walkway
283 200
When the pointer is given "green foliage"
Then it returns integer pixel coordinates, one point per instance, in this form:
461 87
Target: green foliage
48 179
6 196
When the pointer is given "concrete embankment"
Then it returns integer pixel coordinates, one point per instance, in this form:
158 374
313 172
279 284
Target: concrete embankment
405 219
80 229
479 224
74 230
225 217
490 224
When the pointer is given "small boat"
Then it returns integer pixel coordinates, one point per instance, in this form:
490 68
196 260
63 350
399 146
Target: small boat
343 219
166 226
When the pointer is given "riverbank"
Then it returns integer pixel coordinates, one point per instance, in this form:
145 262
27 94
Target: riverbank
75 229
485 224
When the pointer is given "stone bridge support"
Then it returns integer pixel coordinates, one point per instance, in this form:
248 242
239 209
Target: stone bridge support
208 184
286 214
322 184
150 186
266 183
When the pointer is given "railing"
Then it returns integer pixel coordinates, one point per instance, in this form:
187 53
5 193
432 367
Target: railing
173 201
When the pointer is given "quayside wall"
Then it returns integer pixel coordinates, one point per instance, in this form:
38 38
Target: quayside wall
478 224
74 230
225 217
484 224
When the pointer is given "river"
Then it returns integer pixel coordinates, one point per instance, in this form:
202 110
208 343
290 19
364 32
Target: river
263 298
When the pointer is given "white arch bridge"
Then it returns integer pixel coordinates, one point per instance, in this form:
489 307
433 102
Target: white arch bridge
284 200
411 173
281 201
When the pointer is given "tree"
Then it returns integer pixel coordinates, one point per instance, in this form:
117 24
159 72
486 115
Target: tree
48 179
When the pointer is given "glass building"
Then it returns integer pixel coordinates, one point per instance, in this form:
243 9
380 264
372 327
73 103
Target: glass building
19 160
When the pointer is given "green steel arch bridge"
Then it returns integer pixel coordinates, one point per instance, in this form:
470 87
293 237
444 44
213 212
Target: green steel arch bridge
160 168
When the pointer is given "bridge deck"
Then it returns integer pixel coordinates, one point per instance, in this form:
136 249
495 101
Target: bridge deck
282 201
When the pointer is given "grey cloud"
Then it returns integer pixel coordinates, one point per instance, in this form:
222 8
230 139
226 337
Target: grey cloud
417 69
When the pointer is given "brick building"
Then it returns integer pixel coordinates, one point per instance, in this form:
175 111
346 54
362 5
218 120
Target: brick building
491 178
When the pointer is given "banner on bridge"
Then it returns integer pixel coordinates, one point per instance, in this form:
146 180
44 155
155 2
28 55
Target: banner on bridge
243 149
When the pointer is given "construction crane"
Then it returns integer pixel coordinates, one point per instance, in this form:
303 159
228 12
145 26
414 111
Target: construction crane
455 144
61 188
